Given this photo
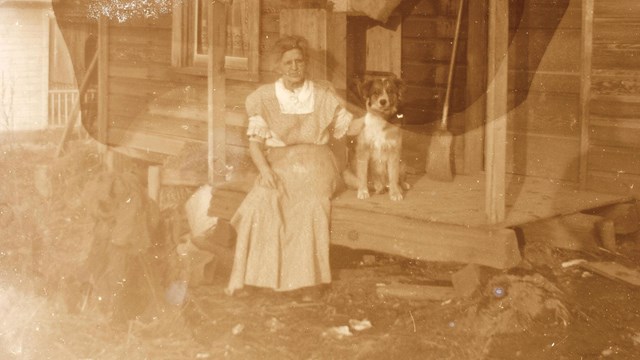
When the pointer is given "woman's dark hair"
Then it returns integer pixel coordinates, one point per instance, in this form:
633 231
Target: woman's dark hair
289 42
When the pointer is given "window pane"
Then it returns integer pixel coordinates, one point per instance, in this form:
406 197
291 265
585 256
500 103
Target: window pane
237 29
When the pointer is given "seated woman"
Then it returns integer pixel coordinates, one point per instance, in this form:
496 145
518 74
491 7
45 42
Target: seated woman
282 225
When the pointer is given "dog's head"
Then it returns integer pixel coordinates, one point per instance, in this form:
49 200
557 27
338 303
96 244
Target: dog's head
383 94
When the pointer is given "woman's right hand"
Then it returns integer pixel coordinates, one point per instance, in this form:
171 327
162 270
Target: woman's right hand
268 179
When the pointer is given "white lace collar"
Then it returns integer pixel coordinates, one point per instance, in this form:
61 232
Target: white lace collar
298 101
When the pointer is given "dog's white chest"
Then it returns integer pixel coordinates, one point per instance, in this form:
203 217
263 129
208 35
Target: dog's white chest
374 132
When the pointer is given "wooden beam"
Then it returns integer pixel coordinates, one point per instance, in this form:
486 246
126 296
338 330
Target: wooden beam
216 137
496 127
586 54
103 79
423 240
476 87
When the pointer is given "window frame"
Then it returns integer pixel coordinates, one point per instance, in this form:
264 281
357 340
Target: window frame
184 56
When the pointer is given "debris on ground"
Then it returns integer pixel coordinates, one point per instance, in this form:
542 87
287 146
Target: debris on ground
360 325
614 271
338 332
571 263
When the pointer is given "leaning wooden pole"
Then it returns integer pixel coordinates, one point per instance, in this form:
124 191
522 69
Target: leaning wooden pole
75 110
216 90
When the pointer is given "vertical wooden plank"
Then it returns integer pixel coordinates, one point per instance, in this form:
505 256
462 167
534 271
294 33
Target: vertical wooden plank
216 137
586 53
177 43
476 87
496 127
312 25
103 79
337 51
384 47
46 27
337 72
253 10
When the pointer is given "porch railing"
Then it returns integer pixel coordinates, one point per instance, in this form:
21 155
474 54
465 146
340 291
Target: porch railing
61 103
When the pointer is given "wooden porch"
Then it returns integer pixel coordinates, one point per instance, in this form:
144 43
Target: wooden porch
440 221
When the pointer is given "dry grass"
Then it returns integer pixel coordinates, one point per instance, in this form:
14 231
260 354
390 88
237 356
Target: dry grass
46 235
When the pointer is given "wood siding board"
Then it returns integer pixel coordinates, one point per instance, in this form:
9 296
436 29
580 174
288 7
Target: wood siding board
545 50
615 106
615 134
620 31
614 159
617 183
543 156
616 56
431 27
170 127
237 135
145 142
429 50
611 82
432 74
545 114
616 9
544 81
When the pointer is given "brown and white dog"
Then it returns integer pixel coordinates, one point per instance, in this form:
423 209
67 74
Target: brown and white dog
379 142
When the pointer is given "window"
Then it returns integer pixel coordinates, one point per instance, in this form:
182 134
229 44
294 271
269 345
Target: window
190 38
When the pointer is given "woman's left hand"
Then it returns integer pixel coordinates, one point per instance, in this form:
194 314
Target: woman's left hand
268 179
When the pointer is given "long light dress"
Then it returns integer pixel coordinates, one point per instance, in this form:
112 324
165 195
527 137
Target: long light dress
283 233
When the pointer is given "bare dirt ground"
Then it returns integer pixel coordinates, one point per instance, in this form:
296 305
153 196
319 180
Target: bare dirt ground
538 311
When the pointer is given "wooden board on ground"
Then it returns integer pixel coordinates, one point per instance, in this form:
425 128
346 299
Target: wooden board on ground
614 271
416 292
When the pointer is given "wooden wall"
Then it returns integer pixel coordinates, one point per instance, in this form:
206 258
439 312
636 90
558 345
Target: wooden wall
614 106
544 85
155 108
427 35
24 66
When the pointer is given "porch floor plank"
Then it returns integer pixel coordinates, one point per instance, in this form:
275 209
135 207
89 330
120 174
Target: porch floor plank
461 202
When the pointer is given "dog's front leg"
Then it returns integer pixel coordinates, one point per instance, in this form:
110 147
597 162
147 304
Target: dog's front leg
362 167
393 167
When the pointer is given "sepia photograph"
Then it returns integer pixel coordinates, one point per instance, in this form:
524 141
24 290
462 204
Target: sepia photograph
319 179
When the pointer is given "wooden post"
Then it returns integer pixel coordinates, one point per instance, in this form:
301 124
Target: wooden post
216 90
496 127
586 53
103 81
476 87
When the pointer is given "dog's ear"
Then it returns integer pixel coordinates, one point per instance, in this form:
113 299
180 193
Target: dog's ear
364 88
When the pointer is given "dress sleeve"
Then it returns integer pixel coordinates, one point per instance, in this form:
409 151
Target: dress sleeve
258 129
341 122
341 117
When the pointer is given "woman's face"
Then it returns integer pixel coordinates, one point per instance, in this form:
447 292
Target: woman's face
292 68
